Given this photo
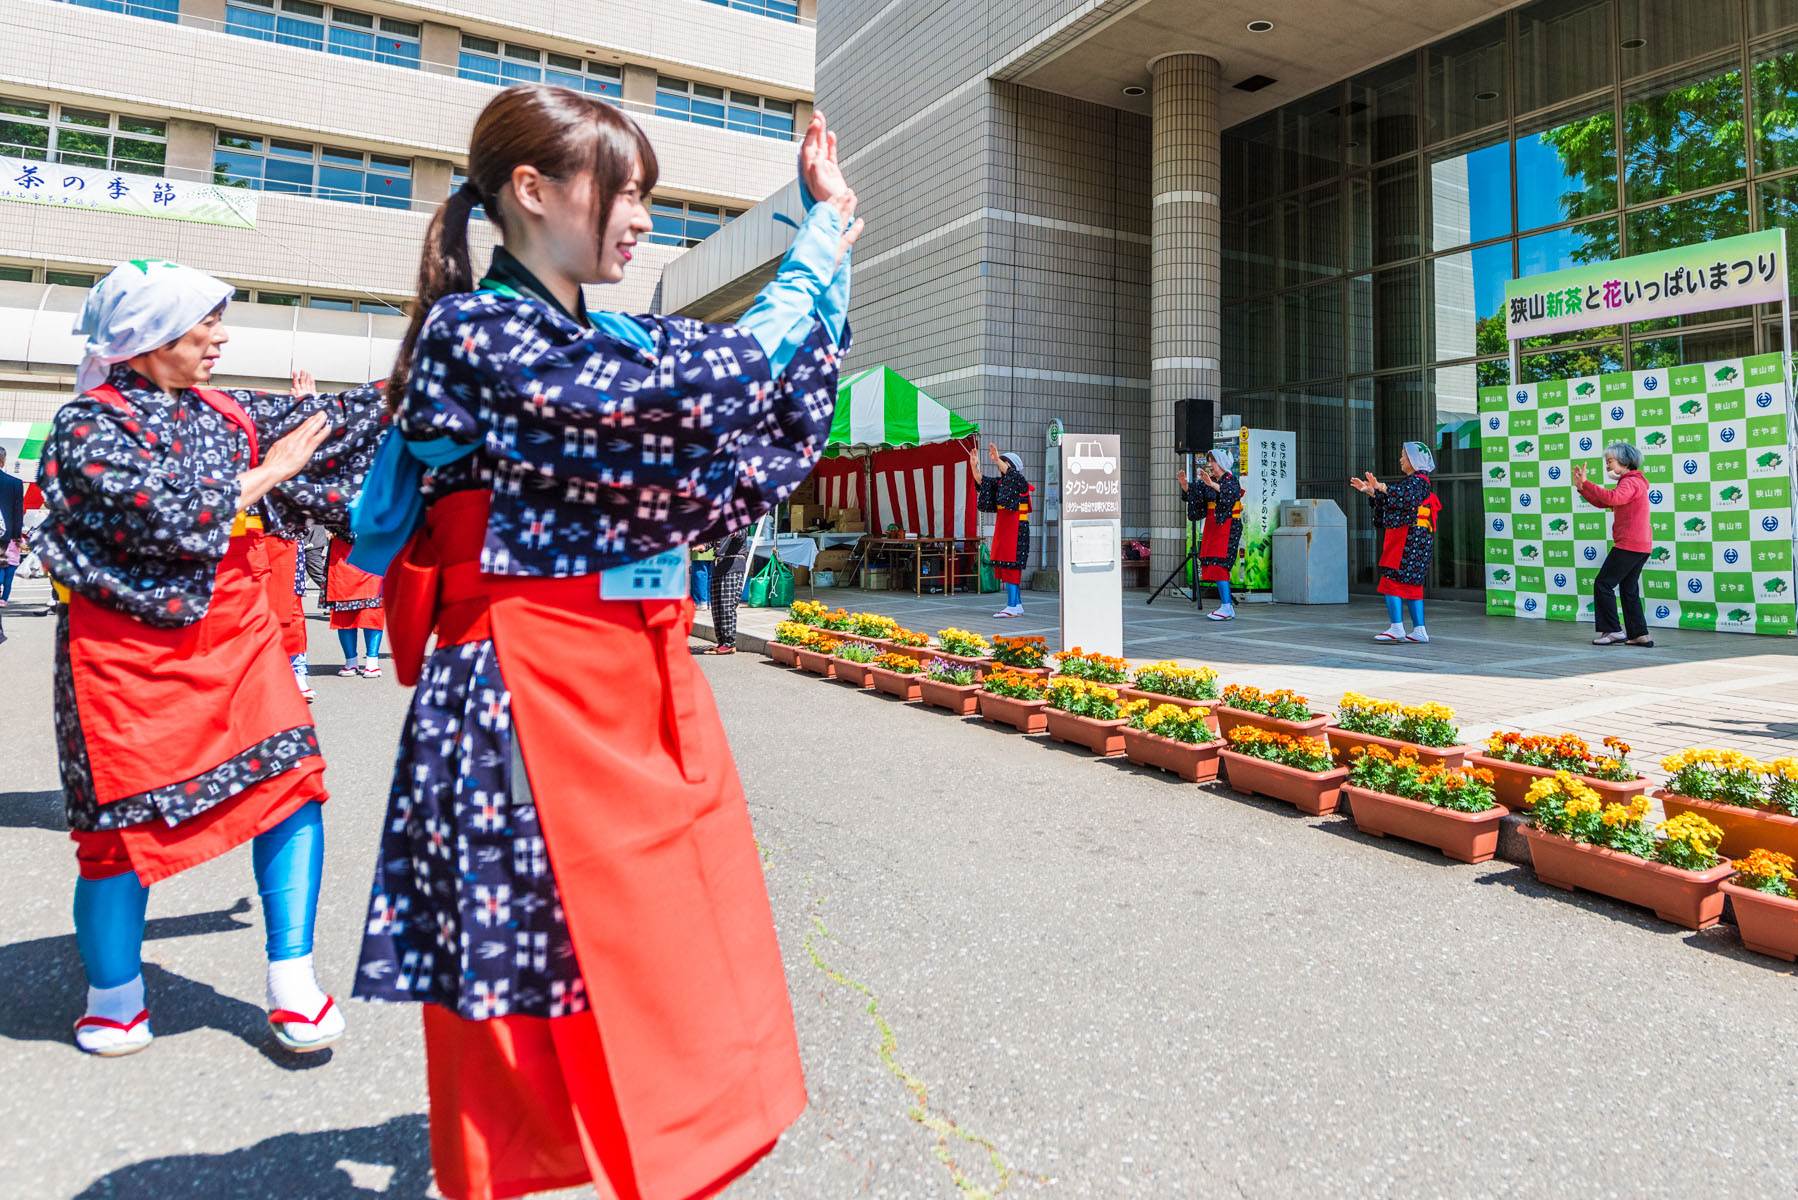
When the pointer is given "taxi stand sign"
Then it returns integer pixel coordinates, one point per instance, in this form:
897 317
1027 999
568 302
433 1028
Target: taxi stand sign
1092 575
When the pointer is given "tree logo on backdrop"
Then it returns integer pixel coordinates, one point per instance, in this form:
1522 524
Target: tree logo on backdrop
1585 443
1690 466
1662 611
1591 553
1655 496
1498 524
1616 412
1731 555
1726 434
1770 523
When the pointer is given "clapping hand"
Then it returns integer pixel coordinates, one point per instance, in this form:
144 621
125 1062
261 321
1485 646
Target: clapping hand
1368 485
1579 475
1184 482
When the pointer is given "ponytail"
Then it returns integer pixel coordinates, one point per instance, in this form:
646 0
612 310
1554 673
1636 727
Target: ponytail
443 271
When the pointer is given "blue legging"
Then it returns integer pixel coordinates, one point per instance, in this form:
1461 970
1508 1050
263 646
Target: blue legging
1223 592
289 861
1014 595
1394 610
370 637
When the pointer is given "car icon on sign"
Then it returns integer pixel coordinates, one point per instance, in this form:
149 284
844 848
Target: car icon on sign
1091 456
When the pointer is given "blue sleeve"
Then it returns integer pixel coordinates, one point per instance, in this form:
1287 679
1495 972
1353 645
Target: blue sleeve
807 287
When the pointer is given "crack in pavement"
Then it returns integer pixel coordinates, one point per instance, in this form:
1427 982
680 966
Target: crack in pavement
941 1125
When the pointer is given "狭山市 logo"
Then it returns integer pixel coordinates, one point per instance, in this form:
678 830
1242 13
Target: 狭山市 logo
1690 466
1591 553
1651 384
1554 472
1694 585
1585 443
1726 434
1770 523
1763 400
1731 555
1662 611
1529 604
1523 397
1560 579
1654 495
1616 412
1498 524
1493 424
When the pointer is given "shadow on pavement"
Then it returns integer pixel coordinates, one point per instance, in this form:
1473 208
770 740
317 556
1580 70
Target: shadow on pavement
391 1160
32 810
1725 941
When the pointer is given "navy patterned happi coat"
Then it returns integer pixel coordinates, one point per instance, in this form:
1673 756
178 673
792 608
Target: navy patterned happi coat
1406 514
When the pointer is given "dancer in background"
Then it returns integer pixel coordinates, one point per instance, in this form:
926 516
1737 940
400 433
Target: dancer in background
730 559
1407 511
1008 495
568 877
1632 541
353 598
1216 499
180 732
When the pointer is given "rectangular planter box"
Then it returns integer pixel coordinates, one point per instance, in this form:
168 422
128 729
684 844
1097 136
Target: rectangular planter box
1465 837
1104 738
854 673
962 699
1038 672
1342 742
1315 794
785 655
1744 829
1127 693
1192 761
816 662
1769 924
1511 782
1229 718
896 683
1025 716
920 653
1690 898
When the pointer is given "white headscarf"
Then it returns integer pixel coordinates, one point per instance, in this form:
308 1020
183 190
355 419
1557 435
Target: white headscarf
140 306
1016 460
1422 459
1223 458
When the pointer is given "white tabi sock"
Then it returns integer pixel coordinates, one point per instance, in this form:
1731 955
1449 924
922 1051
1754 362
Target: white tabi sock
117 1003
293 985
1396 630
121 1004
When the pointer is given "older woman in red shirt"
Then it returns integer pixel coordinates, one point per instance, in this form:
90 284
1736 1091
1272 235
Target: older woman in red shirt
1631 542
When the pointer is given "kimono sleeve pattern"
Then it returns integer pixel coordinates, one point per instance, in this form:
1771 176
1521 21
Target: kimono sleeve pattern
600 453
1396 510
324 491
1223 509
1007 491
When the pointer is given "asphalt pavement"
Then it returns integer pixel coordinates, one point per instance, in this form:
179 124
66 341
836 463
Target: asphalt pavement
1015 970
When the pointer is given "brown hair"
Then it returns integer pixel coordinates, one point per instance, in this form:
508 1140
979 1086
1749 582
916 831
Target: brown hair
559 131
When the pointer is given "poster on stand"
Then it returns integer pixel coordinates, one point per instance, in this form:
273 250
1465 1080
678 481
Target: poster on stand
1267 465
1716 440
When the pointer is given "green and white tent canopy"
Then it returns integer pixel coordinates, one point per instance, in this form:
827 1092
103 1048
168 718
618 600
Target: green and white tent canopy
880 409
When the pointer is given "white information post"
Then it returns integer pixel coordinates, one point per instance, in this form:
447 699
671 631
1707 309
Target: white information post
1092 573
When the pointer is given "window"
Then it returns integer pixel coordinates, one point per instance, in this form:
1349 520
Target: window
678 223
312 26
15 274
82 137
704 104
331 173
281 298
155 10
487 61
78 279
335 303
780 10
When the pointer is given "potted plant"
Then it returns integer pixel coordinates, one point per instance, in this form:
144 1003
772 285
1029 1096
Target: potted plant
1518 761
970 648
910 643
1171 738
872 627
1426 729
1094 668
807 612
1450 808
897 675
1276 712
1024 654
1085 714
951 684
789 637
1170 683
818 656
837 620
1013 698
853 659
1298 770
1766 910
1755 804
1578 841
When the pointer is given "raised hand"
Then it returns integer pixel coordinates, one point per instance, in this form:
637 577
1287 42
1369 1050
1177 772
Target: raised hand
844 202
992 452
818 161
304 384
1579 475
1185 483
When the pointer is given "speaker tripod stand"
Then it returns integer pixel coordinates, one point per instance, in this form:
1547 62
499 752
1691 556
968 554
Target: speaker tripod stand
1191 559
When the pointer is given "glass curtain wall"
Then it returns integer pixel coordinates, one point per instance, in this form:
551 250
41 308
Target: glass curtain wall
1369 230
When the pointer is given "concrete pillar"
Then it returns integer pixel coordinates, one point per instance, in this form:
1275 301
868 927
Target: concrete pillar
1186 257
208 14
439 47
808 10
190 149
639 88
431 180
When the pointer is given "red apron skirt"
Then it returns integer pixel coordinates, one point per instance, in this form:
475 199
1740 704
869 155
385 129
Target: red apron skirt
685 1068
163 707
1005 545
1215 543
287 605
347 584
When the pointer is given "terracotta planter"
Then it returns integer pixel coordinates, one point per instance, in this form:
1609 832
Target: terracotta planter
1194 761
895 683
1769 924
855 674
1035 672
1511 782
919 653
1104 738
1229 718
785 655
1025 716
1342 742
1315 793
1690 898
816 662
1744 829
962 699
1464 837
1126 693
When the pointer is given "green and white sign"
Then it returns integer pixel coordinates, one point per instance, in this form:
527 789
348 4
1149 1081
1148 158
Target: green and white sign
1717 446
61 186
1750 269
1267 466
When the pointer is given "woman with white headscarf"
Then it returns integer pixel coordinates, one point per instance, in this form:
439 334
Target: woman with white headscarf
1406 512
1007 494
1215 498
180 732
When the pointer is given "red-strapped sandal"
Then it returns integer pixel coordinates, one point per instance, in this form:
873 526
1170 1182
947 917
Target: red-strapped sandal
130 1044
284 1016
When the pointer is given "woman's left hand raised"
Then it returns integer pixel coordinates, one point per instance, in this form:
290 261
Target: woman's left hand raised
818 161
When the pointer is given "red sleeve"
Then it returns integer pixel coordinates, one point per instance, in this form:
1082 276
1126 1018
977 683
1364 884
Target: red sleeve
1626 490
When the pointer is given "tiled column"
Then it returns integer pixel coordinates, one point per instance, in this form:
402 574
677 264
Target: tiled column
1184 275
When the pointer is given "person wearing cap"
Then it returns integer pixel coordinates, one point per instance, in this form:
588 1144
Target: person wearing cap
180 733
1407 512
1007 494
1215 498
1632 541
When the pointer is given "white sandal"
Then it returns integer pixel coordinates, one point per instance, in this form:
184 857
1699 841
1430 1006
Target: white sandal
282 1021
107 1038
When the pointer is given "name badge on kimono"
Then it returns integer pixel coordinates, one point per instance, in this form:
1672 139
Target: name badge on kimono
660 577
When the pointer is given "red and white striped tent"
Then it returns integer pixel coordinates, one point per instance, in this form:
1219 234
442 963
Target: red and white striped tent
900 456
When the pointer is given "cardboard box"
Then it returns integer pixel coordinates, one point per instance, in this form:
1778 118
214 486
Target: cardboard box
801 576
848 520
837 559
876 579
807 492
852 526
802 517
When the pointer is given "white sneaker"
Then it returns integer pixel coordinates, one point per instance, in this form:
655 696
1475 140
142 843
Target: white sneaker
1420 634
